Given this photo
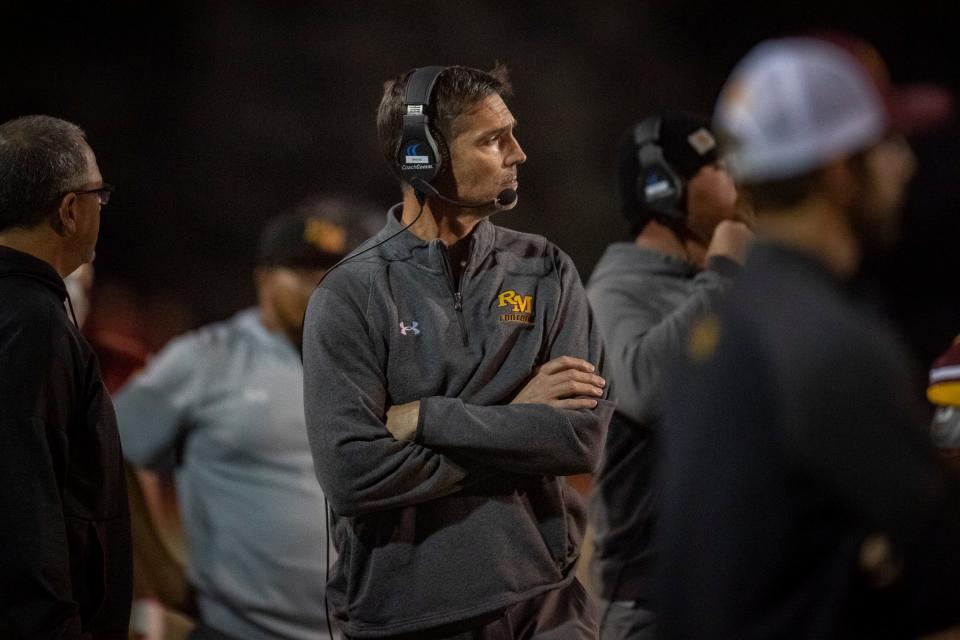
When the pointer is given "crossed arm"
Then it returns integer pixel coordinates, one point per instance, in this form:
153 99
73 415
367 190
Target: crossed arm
444 444
565 382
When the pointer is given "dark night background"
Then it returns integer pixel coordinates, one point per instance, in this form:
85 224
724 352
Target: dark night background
210 117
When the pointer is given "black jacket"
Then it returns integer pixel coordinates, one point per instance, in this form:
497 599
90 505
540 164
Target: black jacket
645 303
800 494
65 561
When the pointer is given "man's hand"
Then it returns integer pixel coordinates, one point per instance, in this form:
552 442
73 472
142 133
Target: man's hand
565 383
402 420
730 239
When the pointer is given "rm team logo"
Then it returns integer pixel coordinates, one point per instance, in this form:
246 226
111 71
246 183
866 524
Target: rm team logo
521 307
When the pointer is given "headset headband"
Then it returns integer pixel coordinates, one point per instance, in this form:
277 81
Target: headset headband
420 88
647 132
658 185
418 153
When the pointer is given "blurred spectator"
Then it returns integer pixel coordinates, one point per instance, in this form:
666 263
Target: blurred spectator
158 574
120 355
800 494
65 565
944 393
689 241
223 407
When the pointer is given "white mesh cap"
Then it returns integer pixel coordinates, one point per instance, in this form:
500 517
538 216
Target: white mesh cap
793 104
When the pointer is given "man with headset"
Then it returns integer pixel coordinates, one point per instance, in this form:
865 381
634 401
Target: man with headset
451 382
689 240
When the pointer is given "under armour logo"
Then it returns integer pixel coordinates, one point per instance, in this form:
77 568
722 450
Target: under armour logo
412 327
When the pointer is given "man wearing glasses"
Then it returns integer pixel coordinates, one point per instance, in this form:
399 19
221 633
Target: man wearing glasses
65 563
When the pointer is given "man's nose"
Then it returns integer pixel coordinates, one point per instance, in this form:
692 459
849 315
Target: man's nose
516 155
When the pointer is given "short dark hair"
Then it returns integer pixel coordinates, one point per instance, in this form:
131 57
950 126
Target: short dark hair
457 89
41 159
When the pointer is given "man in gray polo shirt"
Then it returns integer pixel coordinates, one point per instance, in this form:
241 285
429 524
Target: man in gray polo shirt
224 405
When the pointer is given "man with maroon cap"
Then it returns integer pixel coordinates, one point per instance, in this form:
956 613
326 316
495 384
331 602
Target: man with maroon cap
944 393
689 239
222 407
801 496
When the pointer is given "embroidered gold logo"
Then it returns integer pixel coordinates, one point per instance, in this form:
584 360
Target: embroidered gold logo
703 338
521 307
325 236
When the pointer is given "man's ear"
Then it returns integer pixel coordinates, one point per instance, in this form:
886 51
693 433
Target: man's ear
66 218
839 182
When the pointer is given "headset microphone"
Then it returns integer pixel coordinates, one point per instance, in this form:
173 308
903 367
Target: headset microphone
504 199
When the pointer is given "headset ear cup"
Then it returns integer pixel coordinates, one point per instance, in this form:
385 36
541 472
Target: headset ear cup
418 154
658 185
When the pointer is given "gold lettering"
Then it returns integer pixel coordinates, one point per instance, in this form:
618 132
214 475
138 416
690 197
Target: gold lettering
517 317
523 304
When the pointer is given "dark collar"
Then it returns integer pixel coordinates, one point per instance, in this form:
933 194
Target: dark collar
15 263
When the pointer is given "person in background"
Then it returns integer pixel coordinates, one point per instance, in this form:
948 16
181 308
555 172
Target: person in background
800 494
944 393
65 563
689 240
222 407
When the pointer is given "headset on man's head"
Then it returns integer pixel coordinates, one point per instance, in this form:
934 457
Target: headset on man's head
421 152
659 187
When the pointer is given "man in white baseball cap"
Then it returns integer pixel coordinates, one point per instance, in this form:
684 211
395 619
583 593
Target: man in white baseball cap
801 495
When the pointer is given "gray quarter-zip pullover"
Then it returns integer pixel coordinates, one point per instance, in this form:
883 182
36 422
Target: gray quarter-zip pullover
471 516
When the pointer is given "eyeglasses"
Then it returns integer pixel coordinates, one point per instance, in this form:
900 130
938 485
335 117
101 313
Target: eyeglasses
103 193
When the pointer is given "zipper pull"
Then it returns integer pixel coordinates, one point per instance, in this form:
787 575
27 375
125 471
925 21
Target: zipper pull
458 301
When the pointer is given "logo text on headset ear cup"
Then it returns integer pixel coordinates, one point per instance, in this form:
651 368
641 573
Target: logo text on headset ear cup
658 185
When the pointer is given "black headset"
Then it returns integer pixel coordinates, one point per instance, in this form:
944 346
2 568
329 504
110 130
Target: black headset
659 187
421 152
